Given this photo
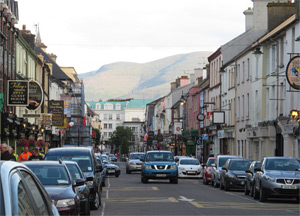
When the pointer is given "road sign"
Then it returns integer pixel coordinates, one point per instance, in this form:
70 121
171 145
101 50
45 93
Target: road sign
205 136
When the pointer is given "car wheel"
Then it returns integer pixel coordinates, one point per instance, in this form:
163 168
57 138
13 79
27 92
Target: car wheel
246 190
262 195
117 175
103 183
226 186
255 193
212 182
87 210
144 179
251 191
174 181
96 203
216 184
204 180
221 185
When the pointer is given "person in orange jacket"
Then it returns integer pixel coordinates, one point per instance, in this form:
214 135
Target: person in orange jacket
25 155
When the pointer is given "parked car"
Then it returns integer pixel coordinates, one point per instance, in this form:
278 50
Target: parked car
84 191
21 193
134 162
111 169
277 177
233 174
105 157
112 158
159 165
207 170
100 162
86 159
217 168
189 168
250 173
177 158
57 180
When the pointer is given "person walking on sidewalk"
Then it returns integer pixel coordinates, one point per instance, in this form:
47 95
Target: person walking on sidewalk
25 155
5 155
36 155
12 152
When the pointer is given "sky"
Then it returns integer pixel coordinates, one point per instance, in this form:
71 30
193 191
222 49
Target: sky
87 34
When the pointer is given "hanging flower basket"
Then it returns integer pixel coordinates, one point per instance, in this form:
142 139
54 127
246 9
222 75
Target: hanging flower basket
23 142
40 143
32 142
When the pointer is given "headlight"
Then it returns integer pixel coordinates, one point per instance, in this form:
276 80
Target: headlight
65 203
208 172
230 175
89 183
269 178
131 163
173 166
148 166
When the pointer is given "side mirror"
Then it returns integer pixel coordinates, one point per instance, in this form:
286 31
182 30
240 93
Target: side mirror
79 182
224 168
99 168
248 171
213 165
257 169
203 165
89 178
142 159
176 160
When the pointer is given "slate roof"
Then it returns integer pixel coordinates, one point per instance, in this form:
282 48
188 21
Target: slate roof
56 71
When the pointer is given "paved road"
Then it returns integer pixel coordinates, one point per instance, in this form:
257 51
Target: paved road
126 195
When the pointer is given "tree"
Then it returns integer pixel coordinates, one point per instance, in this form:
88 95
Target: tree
98 136
119 134
124 146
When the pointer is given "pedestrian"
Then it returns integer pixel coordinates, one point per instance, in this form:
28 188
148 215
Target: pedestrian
25 155
12 152
5 155
35 155
41 152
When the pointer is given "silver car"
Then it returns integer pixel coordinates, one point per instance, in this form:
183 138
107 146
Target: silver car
134 163
217 168
21 193
277 177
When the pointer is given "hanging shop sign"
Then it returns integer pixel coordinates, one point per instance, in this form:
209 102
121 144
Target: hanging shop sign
67 104
35 95
46 119
17 93
177 128
293 72
56 107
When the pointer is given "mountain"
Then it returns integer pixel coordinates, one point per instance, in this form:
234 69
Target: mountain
134 80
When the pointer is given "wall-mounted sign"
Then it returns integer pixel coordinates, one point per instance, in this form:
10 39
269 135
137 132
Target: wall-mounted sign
293 72
57 110
218 117
67 100
46 119
177 128
35 95
17 93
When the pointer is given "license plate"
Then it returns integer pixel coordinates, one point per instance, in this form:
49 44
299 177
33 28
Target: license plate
161 175
191 172
111 171
242 183
289 187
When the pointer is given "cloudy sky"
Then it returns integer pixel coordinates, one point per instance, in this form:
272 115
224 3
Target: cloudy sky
87 34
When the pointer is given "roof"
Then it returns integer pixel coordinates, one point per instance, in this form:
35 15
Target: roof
102 103
138 103
56 71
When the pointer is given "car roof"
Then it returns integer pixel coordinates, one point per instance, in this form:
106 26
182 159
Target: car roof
226 156
44 162
239 159
68 149
279 158
157 151
70 162
188 158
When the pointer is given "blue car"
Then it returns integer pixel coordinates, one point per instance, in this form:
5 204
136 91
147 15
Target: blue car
159 165
100 162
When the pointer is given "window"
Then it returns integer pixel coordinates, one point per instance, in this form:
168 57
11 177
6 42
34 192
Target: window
267 103
118 106
248 105
118 116
133 129
105 116
273 66
243 105
110 134
105 126
239 108
243 72
110 126
110 117
248 68
98 106
105 134
238 74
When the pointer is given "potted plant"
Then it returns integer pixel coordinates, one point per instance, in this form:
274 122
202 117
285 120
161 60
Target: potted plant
32 142
23 142
40 143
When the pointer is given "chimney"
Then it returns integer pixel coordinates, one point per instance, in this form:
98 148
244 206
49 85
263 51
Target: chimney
24 27
278 13
184 80
248 19
199 80
53 57
173 86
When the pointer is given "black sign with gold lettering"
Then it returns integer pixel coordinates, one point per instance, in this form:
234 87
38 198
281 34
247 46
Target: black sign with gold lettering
17 93
35 95
57 110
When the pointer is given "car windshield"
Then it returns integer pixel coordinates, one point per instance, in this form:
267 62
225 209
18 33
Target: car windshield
282 164
159 156
51 175
257 164
222 161
112 156
189 162
104 157
74 171
210 161
239 165
136 156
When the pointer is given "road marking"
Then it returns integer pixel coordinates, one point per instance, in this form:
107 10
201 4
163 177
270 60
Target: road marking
155 188
103 208
107 194
143 200
197 205
108 182
133 188
172 199
184 199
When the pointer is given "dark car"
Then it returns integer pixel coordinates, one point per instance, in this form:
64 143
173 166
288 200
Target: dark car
84 191
112 158
233 174
207 170
100 162
250 173
21 193
57 180
112 169
86 159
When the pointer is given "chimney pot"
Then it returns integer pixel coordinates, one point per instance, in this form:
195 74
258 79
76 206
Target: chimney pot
24 27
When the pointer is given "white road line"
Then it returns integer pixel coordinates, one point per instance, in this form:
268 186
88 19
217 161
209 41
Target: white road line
293 212
108 182
107 194
103 208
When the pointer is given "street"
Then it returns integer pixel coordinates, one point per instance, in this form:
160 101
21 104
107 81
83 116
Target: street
126 195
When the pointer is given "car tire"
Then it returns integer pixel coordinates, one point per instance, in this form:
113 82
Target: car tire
87 210
226 186
221 185
246 190
117 176
204 180
262 195
174 181
216 184
212 181
255 193
97 202
103 183
144 179
251 191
